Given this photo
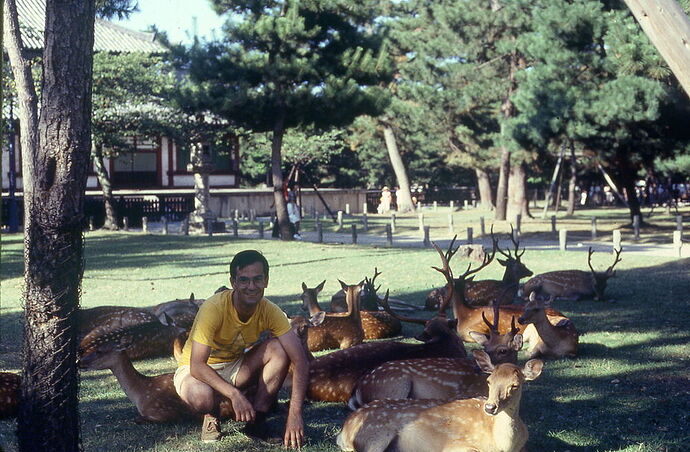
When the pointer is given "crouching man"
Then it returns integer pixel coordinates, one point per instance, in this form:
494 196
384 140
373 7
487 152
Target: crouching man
221 357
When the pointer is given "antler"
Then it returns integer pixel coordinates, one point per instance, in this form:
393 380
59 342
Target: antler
447 272
488 258
386 307
617 259
589 259
369 283
516 245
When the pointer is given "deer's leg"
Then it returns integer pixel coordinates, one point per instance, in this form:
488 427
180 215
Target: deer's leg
267 366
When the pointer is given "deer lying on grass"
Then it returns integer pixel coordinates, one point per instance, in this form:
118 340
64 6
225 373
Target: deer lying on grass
490 424
155 397
553 341
339 330
376 324
475 319
437 378
182 312
9 394
332 377
572 284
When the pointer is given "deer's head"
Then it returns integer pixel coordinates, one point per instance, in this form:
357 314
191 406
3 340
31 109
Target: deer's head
310 296
512 261
600 279
501 348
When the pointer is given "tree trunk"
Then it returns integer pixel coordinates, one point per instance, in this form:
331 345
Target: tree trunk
277 173
484 186
573 181
403 195
517 193
107 188
502 189
55 173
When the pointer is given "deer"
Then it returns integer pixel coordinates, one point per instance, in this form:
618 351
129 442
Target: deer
554 341
340 330
10 385
490 424
573 285
472 319
376 324
155 397
438 378
332 377
181 311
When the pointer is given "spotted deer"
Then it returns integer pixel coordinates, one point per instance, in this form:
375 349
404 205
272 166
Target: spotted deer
437 378
554 341
376 324
332 377
155 397
476 319
490 424
572 284
340 330
181 311
9 394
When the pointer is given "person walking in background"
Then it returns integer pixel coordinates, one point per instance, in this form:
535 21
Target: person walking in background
385 201
294 214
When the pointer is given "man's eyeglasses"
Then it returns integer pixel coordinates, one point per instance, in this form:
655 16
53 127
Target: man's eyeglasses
243 281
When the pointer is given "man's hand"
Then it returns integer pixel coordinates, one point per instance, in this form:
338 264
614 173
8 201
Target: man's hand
294 432
244 411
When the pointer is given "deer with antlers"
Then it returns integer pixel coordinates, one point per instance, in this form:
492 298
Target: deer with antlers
155 397
338 330
438 378
489 424
376 324
573 284
553 341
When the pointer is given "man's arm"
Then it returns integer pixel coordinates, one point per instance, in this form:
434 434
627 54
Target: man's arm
294 427
199 369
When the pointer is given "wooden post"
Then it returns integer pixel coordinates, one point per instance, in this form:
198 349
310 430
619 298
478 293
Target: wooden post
465 204
319 232
365 221
450 223
236 215
354 234
145 224
563 239
482 226
392 223
678 243
261 229
125 224
636 227
165 225
435 206
347 209
340 220
470 239
184 226
419 206
553 224
209 227
617 240
365 208
235 229
427 242
91 226
389 235
421 222
452 205
679 223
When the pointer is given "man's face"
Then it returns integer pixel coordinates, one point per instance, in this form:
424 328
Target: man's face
249 283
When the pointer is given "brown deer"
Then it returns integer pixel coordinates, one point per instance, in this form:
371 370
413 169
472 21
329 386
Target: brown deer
572 284
490 424
376 324
476 319
437 378
154 397
181 311
340 330
332 377
553 341
9 394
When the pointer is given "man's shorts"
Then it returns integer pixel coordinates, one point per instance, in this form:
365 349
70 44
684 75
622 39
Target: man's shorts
228 372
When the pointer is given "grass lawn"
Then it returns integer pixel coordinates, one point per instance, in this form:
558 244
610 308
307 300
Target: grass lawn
629 390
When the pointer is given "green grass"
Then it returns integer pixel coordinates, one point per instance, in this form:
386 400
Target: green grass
627 391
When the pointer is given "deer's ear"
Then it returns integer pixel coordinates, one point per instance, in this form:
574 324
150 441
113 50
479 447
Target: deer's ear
483 361
502 262
191 297
319 288
479 338
452 324
343 285
533 369
317 319
516 343
304 287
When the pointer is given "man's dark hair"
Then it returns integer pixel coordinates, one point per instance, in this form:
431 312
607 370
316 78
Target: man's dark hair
247 257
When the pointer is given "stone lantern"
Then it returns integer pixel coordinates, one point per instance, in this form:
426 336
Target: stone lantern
202 218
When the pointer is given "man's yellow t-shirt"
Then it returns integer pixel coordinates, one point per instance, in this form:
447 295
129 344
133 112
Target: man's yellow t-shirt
218 326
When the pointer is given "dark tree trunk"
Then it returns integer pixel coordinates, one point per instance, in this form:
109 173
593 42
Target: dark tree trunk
573 181
517 193
403 196
107 189
484 186
502 189
55 168
277 173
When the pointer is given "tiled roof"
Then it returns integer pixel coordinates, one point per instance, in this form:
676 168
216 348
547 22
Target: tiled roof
108 37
